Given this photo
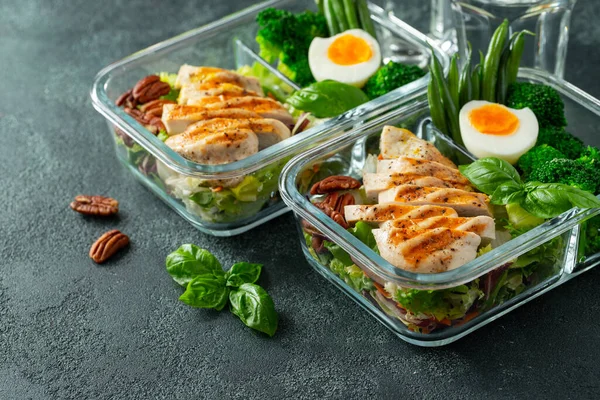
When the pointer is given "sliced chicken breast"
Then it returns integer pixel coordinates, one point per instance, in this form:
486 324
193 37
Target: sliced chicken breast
398 142
215 146
482 226
375 183
415 166
177 118
213 77
426 250
383 212
264 106
466 204
194 92
186 72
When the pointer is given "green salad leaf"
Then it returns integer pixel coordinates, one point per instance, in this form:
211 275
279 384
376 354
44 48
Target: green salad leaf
253 305
190 261
206 291
243 272
327 98
489 173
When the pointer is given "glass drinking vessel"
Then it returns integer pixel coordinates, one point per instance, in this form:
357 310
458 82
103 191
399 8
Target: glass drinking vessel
476 20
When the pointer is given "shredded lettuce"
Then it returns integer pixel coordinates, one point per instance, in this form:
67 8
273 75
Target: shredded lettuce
352 275
269 82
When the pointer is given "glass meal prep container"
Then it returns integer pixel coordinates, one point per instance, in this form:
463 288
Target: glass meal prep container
347 155
230 43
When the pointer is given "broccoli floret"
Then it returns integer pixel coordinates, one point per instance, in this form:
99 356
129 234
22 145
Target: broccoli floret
591 154
544 101
536 156
591 236
581 174
286 37
561 140
391 76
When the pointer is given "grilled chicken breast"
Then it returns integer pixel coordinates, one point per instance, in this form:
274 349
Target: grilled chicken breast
383 212
213 77
415 166
194 92
375 183
215 146
426 250
264 106
177 118
466 204
398 142
482 226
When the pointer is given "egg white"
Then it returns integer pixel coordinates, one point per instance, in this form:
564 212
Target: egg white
507 147
357 75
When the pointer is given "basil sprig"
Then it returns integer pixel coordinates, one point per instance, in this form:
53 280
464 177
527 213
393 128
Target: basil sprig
502 182
209 286
327 98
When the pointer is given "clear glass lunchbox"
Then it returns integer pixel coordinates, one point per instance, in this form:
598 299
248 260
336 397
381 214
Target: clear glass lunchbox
347 155
230 43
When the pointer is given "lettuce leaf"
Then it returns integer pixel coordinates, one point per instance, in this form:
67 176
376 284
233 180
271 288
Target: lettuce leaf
269 82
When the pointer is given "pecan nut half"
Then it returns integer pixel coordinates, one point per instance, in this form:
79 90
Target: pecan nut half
107 245
127 100
155 107
152 123
95 205
334 183
333 206
150 88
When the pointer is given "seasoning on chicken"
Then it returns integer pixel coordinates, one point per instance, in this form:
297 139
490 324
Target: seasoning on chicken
212 77
426 250
176 118
375 183
194 92
264 106
384 212
398 142
414 166
466 204
482 226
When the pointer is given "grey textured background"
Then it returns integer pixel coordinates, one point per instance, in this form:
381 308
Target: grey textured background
72 329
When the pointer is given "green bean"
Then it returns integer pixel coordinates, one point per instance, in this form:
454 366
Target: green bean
320 7
351 16
340 15
502 84
332 24
492 60
476 83
465 90
436 108
453 79
446 97
364 15
514 60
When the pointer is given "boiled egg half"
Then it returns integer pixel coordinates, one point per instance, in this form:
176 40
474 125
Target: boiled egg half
493 130
350 57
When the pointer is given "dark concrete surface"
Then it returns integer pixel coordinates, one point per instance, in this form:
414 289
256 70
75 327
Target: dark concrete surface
73 329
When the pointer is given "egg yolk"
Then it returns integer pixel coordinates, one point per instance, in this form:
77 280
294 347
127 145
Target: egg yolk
349 50
494 119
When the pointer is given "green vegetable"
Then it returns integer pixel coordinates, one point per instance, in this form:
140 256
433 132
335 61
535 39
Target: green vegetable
364 15
465 87
327 98
521 219
561 140
544 101
206 291
285 37
452 303
446 97
487 174
243 272
364 232
352 275
502 82
454 79
436 108
544 200
391 76
269 82
492 61
162 135
514 60
330 16
340 14
577 173
590 155
351 14
590 236
208 286
189 261
476 82
253 305
536 157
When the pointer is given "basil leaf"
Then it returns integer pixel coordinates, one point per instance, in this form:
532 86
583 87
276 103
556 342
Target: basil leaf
508 193
327 98
243 272
486 174
548 200
206 291
253 305
189 261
